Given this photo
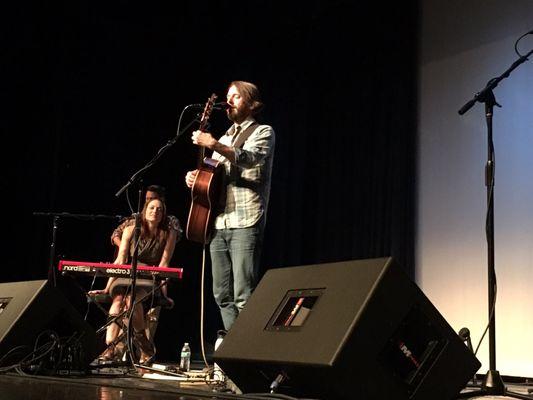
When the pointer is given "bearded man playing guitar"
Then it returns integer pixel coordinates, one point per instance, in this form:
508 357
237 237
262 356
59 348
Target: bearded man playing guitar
246 151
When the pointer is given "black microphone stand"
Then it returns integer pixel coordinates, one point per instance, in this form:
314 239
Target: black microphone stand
493 384
133 271
52 276
137 177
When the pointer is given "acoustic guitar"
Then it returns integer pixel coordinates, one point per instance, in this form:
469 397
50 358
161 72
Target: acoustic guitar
207 189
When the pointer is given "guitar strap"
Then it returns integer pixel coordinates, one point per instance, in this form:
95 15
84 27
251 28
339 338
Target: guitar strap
244 135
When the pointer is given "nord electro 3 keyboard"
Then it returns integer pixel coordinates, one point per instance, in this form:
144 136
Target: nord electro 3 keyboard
115 270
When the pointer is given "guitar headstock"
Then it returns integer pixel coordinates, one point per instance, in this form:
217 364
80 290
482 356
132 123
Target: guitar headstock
207 111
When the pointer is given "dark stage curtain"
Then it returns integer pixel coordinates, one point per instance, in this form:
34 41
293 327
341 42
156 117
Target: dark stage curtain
95 91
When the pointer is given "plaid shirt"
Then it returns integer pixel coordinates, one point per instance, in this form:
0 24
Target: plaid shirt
248 180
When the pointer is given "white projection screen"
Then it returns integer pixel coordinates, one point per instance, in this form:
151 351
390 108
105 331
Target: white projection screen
464 44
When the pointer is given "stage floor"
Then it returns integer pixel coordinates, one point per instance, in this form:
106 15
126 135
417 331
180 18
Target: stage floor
118 385
111 384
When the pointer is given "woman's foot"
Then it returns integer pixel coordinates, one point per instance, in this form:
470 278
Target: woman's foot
108 354
146 348
146 359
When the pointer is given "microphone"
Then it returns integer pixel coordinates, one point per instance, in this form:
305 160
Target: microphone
222 105
464 334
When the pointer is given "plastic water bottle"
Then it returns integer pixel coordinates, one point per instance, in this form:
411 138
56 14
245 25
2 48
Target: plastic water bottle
185 361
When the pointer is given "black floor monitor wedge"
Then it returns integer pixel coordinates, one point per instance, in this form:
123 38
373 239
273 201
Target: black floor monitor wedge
30 311
348 330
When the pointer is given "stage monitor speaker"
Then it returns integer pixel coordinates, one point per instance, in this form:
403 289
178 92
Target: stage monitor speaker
348 330
30 308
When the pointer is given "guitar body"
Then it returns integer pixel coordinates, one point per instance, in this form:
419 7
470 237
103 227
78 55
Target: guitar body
207 192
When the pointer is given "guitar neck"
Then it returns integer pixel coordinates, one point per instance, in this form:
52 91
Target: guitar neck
201 156
203 126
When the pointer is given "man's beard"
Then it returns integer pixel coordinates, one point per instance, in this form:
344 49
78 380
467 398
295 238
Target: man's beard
236 115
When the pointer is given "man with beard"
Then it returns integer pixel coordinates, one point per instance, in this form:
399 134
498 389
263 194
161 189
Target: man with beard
246 150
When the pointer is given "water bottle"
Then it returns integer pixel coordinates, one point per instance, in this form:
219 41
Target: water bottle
185 361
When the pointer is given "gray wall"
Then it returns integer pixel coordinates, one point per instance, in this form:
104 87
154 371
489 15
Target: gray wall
463 45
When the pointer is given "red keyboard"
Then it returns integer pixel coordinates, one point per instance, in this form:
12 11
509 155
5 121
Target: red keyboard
115 270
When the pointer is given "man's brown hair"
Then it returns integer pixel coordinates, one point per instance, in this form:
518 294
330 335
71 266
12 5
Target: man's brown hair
250 94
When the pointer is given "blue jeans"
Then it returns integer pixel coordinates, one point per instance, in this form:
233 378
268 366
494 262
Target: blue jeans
235 256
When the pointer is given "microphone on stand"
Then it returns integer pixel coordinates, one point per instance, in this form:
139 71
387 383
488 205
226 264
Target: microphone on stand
222 105
464 334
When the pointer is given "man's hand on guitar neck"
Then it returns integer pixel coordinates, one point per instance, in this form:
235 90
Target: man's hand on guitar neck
205 139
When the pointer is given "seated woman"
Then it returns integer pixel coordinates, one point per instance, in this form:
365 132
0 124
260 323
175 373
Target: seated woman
156 247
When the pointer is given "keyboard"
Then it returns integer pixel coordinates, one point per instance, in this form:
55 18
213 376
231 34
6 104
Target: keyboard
116 270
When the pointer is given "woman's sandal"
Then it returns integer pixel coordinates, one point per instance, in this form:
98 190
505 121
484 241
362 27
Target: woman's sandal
146 359
146 348
108 354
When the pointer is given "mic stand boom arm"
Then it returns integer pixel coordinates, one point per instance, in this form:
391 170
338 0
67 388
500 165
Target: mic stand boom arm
135 177
482 95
